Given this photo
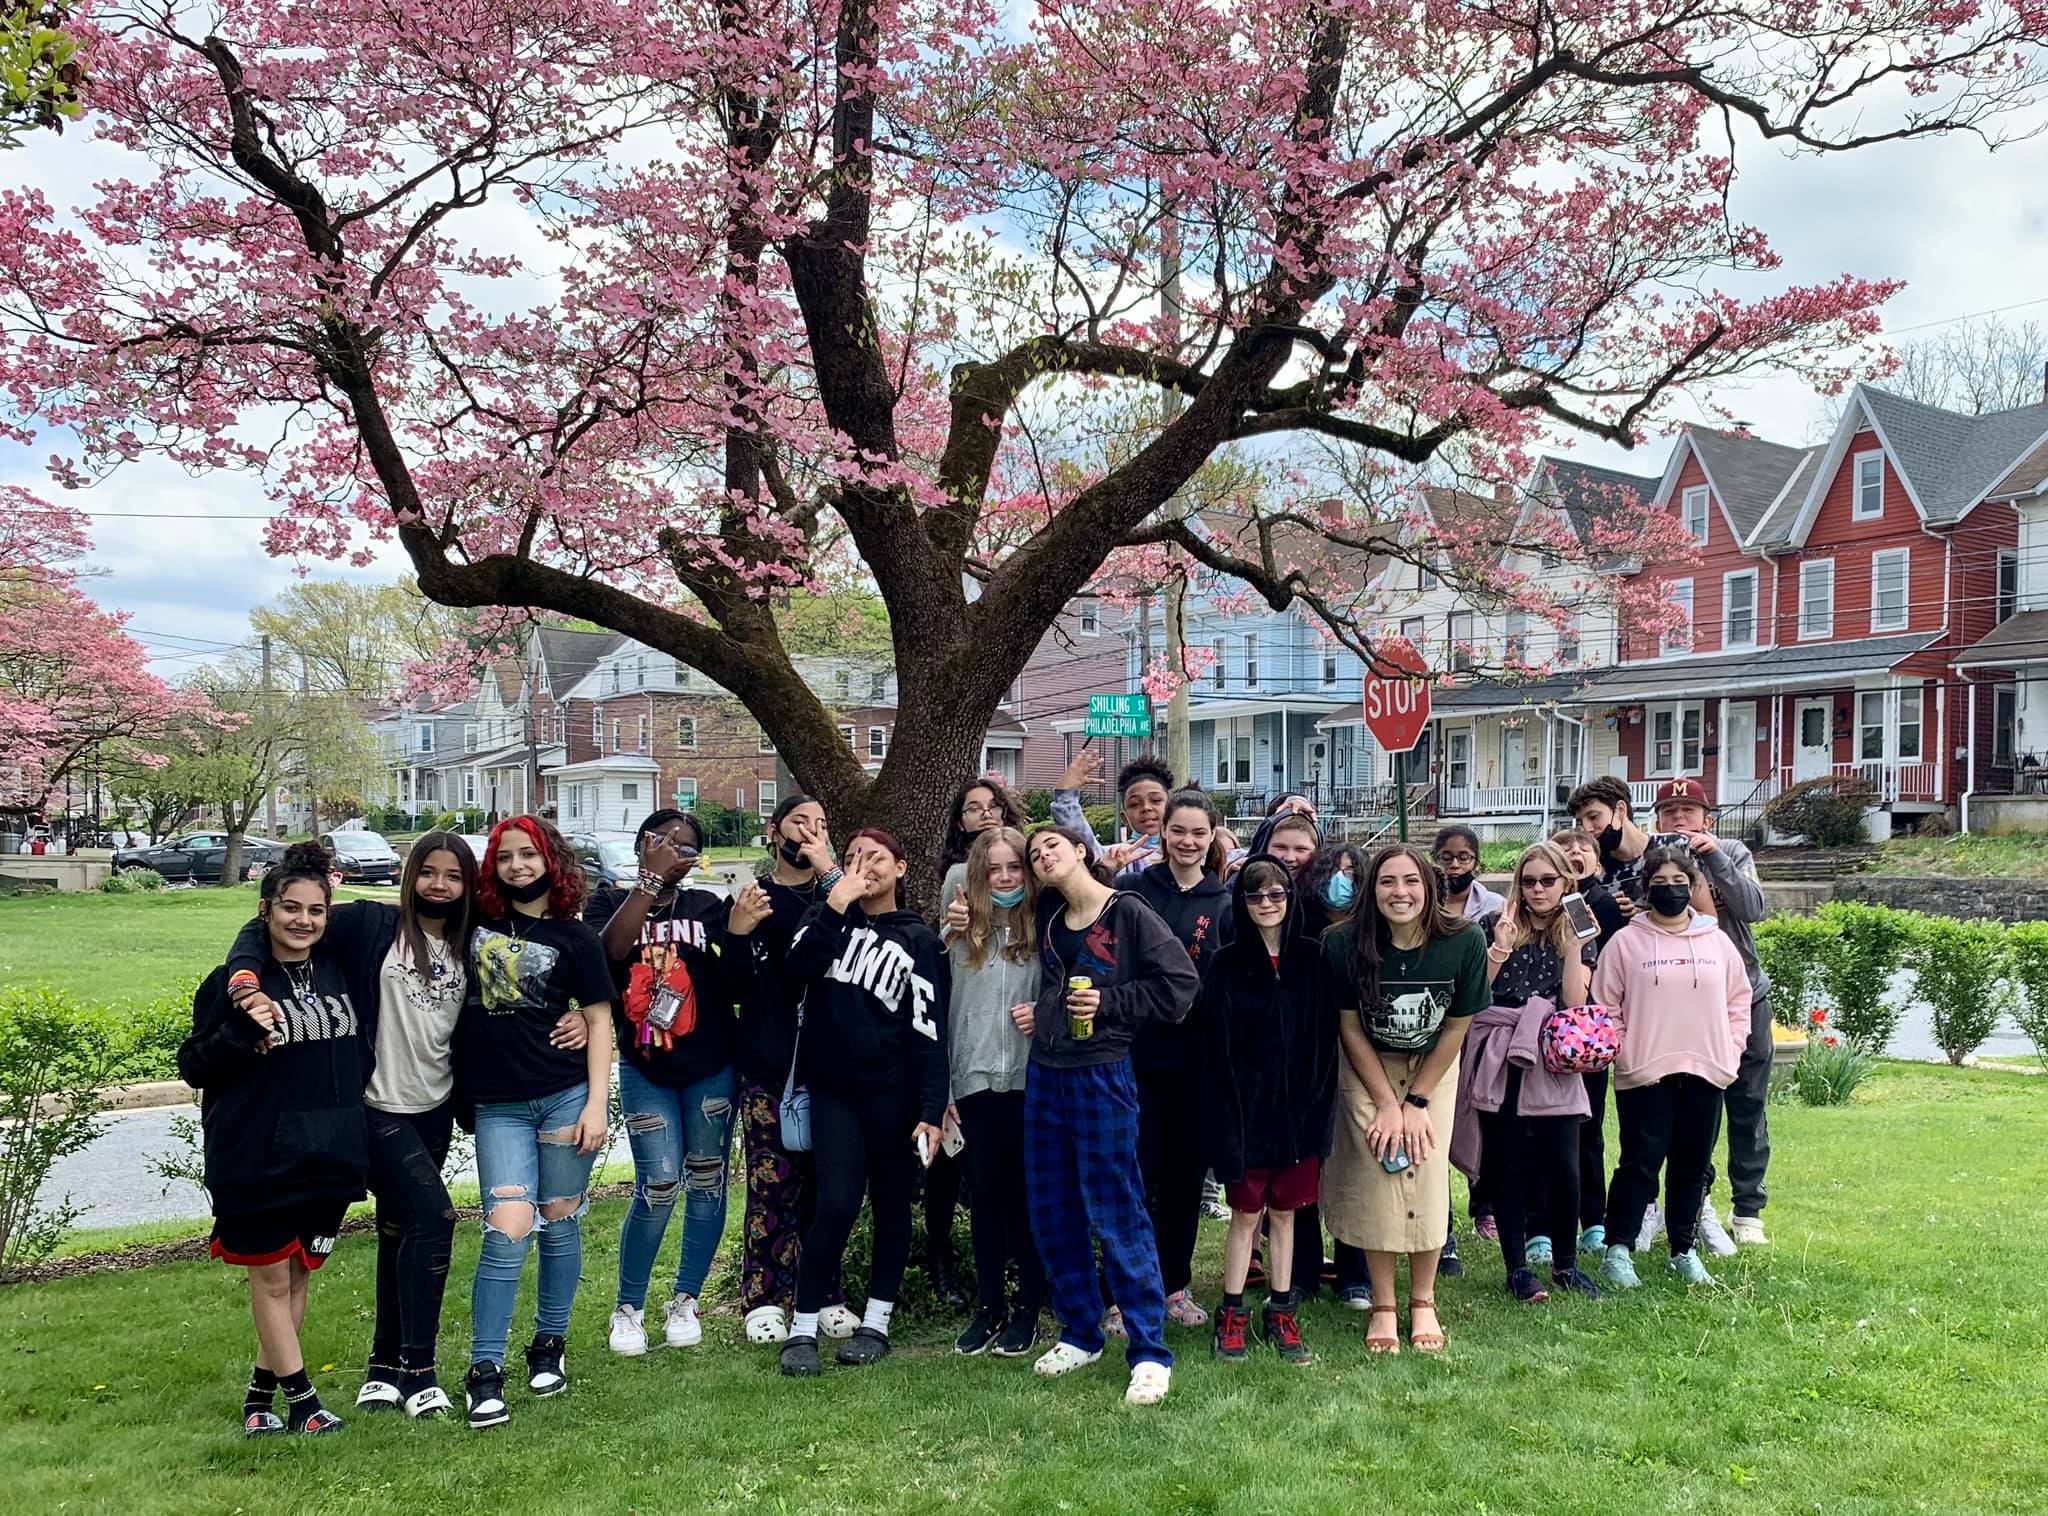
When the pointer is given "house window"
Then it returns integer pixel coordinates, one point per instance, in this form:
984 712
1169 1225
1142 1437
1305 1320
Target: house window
878 743
615 678
1461 640
686 733
468 736
1738 609
1425 576
1233 760
2004 736
1817 598
878 687
1693 506
561 728
423 737
843 681
1567 740
1675 739
846 734
767 743
1888 573
597 725
639 673
1870 725
1906 722
682 677
615 734
1678 638
640 736
2008 583
1222 760
575 802
1869 504
1251 661
767 797
629 791
1413 628
686 794
1329 668
1218 671
1568 641
1089 621
1518 637
469 786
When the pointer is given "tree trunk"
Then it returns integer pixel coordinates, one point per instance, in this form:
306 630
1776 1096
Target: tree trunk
231 863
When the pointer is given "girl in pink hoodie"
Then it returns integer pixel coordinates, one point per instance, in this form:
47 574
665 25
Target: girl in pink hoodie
1680 996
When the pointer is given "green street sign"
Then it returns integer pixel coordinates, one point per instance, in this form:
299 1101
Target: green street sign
685 802
1118 716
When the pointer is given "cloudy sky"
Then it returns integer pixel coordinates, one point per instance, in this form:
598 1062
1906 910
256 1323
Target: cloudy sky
1967 229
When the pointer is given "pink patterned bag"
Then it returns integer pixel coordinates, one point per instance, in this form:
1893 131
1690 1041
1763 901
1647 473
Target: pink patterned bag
1579 1039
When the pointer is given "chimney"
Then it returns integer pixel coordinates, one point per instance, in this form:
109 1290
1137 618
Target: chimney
1503 492
1332 510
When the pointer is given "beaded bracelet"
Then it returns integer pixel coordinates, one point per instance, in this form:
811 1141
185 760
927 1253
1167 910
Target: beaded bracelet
243 980
831 877
651 884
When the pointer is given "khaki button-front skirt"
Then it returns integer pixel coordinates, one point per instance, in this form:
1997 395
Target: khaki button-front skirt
1363 1204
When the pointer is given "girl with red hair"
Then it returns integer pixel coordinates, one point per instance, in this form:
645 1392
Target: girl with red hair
541 1109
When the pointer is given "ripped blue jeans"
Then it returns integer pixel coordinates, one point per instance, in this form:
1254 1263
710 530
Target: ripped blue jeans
526 1166
682 1144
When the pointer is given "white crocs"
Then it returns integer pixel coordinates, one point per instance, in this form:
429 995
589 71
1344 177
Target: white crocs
837 1321
767 1323
1149 1382
1063 1358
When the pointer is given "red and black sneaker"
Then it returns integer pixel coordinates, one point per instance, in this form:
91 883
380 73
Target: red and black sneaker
1233 1323
1278 1325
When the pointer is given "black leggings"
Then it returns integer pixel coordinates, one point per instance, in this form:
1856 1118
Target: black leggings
1514 1151
1170 1158
861 1145
941 1200
1000 1219
1592 1161
415 1231
1668 1125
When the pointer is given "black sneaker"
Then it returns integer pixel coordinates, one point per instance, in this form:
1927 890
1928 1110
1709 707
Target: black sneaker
1019 1337
484 1391
1576 1281
1448 1264
547 1366
981 1331
945 1283
1277 1324
1232 1323
1523 1286
864 1347
799 1358
1356 1297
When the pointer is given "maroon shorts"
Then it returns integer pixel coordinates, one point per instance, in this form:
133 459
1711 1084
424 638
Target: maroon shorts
1287 1189
306 1232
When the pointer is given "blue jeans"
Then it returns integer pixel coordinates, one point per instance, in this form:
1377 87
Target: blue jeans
682 1141
526 1161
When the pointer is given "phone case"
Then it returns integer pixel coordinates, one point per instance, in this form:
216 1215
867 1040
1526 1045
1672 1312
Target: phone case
951 1138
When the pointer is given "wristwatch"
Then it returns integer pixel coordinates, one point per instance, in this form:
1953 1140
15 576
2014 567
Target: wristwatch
1420 1102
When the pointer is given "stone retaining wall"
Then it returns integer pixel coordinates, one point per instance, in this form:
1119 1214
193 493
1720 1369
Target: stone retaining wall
2007 900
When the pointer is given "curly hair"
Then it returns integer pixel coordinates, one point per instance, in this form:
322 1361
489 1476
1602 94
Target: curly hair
566 885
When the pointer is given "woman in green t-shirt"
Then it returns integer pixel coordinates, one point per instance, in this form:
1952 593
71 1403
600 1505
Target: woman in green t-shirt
1407 976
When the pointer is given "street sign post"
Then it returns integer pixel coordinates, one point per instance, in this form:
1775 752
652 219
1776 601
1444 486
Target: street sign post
1397 711
1118 716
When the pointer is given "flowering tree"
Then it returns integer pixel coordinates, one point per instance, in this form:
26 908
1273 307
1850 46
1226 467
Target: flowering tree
71 678
647 312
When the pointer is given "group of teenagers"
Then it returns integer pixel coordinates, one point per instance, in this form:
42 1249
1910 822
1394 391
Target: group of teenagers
1091 1037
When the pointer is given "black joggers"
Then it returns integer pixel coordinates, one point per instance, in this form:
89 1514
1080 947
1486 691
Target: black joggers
861 1146
415 1232
1668 1125
1170 1156
992 1121
1525 1159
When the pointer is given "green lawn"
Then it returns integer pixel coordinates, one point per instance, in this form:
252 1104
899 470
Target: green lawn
1887 1354
2009 857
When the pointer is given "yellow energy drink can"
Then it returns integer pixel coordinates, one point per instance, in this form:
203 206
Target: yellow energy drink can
1080 1028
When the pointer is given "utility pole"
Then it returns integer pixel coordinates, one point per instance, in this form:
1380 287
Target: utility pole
1178 756
533 806
269 714
306 745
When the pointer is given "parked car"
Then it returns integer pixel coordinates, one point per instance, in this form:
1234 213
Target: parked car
477 841
362 857
198 857
609 862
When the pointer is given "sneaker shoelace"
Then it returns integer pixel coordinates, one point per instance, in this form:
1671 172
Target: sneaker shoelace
1286 1329
1235 1323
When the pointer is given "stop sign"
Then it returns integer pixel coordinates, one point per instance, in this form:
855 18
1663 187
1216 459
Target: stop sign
1397 700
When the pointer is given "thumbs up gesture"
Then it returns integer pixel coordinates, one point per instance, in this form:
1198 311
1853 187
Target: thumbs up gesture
956 912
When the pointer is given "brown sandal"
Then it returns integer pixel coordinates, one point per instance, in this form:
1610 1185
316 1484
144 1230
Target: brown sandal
1425 1342
1389 1344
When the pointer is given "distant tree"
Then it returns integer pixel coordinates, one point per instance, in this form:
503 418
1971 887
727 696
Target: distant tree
353 637
155 793
1976 367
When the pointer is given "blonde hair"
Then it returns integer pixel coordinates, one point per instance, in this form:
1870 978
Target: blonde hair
1560 934
984 915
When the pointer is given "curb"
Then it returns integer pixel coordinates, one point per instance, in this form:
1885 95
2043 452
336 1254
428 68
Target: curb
148 1095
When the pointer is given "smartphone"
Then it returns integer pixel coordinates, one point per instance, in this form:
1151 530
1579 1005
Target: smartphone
1397 1161
1580 915
1678 840
924 1149
951 1138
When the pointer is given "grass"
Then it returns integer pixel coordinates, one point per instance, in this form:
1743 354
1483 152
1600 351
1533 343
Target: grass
2014 856
1885 1355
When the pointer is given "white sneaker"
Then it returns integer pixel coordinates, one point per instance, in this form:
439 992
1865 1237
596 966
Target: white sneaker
1149 1383
837 1321
1749 1231
1063 1358
767 1323
1652 1228
681 1327
1718 1242
629 1331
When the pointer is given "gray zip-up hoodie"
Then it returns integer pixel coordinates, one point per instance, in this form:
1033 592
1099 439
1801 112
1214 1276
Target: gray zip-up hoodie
1738 903
987 1051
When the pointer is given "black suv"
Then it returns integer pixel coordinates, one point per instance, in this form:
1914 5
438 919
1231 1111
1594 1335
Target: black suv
198 857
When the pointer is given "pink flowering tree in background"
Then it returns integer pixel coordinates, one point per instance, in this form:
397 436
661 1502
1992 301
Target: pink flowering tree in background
74 686
648 312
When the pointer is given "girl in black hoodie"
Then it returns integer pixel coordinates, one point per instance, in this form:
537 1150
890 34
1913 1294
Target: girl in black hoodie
1188 892
871 1048
281 1109
1270 1040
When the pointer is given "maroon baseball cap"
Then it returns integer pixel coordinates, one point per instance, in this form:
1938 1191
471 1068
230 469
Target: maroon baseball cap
1682 792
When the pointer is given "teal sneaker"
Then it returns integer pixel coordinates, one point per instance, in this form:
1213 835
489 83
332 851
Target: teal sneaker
1593 1240
1618 1269
1538 1252
1687 1266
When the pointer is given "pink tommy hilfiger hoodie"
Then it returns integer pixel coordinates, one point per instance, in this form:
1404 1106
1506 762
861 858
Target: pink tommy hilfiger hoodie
1681 999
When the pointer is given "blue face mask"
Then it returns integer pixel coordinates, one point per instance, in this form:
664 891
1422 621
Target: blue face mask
1007 898
1337 891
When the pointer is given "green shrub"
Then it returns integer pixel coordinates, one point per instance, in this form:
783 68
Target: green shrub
147 880
118 883
1103 819
1793 950
448 821
1959 969
1038 805
2027 957
1870 943
1827 812
1830 1069
154 1032
54 1057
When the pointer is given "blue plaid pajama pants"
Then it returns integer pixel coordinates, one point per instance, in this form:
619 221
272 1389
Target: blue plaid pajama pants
1082 1180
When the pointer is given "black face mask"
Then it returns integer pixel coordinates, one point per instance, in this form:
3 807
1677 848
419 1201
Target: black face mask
792 851
1670 899
534 889
1459 882
1611 838
436 910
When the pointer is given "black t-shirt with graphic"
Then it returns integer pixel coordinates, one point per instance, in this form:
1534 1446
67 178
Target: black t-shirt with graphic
1071 947
1533 971
524 974
1420 988
678 958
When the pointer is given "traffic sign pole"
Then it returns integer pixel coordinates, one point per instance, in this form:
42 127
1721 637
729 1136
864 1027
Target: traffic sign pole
1401 792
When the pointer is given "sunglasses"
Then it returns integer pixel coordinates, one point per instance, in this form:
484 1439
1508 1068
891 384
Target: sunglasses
1541 881
1266 897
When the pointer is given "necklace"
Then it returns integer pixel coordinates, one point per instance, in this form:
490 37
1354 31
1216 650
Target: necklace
301 976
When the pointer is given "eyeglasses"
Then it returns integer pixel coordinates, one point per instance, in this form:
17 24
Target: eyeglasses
1541 881
1266 897
1447 859
981 810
